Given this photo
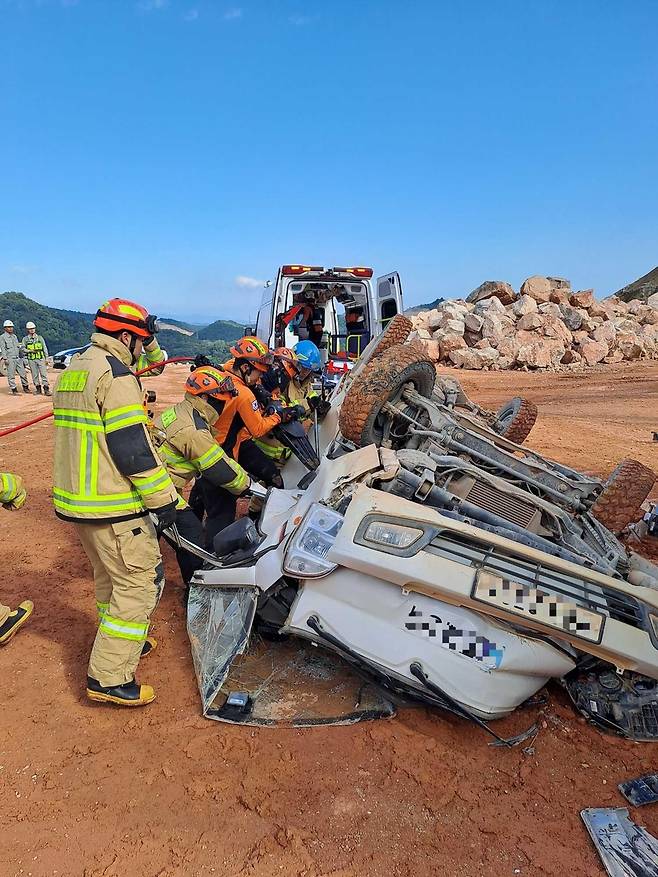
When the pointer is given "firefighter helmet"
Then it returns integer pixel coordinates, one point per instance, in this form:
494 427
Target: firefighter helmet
254 351
121 315
209 380
288 360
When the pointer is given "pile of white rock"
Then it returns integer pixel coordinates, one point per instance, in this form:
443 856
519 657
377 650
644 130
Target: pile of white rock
546 325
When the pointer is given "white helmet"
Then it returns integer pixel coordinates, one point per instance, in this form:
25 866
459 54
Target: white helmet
30 325
7 324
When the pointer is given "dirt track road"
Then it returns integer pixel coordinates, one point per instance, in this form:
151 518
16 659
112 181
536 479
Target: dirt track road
161 792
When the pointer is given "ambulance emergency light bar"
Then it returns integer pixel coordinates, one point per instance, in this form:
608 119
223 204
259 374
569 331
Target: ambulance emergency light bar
296 270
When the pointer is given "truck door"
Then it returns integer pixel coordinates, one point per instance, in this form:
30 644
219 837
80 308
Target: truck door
388 300
267 311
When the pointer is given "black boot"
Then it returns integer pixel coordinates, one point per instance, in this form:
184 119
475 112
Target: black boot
128 694
26 389
46 391
37 390
14 392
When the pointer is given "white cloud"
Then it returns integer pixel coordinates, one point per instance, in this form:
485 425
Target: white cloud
152 5
23 269
248 282
233 14
191 15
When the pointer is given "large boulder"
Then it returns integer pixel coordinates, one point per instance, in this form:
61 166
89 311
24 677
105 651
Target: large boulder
496 327
553 327
524 305
606 332
572 317
542 353
583 299
473 322
493 289
560 296
530 322
433 350
450 342
489 305
508 349
571 357
537 287
594 351
629 344
474 359
652 301
551 308
560 284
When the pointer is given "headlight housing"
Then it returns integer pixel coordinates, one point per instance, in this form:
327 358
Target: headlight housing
392 535
306 555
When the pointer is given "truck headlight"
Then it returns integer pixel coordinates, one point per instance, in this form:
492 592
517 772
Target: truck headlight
306 556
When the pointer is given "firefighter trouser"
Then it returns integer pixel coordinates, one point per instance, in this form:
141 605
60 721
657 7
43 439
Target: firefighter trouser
220 509
39 372
13 366
190 527
129 577
4 613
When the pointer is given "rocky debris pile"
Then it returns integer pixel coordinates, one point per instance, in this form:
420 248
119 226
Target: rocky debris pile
546 325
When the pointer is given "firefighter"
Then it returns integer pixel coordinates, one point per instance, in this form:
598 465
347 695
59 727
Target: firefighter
37 354
188 449
107 478
301 390
240 420
12 352
12 496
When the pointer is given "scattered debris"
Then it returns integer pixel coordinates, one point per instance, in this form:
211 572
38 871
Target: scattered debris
642 790
626 850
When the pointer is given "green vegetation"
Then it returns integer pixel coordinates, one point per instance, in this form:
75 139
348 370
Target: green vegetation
63 329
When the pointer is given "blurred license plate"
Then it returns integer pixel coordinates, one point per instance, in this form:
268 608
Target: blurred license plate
528 601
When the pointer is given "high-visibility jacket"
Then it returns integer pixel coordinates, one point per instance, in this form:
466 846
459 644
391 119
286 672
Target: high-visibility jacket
10 346
12 492
35 346
186 445
152 354
296 393
106 467
240 417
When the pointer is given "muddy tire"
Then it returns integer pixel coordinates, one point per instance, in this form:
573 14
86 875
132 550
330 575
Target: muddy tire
620 502
515 419
379 382
397 332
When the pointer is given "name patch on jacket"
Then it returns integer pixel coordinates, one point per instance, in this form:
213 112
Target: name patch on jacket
73 381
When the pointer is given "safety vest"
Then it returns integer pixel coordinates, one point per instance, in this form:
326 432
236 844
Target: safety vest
106 468
35 346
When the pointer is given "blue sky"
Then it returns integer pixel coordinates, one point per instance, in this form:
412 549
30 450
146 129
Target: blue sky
178 151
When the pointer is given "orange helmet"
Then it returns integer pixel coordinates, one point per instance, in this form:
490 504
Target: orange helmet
288 360
119 314
254 351
209 380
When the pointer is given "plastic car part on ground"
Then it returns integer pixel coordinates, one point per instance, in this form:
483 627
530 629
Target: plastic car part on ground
626 849
640 791
626 705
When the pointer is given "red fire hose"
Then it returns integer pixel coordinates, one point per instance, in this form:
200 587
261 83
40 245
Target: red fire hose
48 414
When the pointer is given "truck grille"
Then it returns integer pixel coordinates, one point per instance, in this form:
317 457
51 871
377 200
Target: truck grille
483 556
508 507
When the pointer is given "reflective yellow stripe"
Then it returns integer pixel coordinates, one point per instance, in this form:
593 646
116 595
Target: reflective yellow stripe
181 503
71 419
147 484
239 482
209 458
154 355
273 451
87 505
101 608
9 487
175 459
120 629
119 418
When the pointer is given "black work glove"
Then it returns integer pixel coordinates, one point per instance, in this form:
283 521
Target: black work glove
262 396
275 407
317 403
166 516
199 360
293 412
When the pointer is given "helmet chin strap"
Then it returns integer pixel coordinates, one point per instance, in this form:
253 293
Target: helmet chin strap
131 348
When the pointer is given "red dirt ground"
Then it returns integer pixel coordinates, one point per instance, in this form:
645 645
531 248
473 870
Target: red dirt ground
161 792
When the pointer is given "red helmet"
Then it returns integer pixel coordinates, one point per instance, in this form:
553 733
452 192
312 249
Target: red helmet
288 360
119 314
209 380
254 351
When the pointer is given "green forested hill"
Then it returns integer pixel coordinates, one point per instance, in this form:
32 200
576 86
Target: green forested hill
63 328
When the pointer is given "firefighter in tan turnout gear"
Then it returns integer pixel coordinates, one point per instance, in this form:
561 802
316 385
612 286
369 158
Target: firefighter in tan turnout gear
189 450
107 479
12 496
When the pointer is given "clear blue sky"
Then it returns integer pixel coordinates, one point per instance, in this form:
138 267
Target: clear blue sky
162 149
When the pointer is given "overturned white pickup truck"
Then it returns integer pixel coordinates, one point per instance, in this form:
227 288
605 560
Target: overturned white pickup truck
430 559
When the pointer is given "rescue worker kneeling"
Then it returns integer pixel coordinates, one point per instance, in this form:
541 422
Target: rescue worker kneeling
188 449
107 479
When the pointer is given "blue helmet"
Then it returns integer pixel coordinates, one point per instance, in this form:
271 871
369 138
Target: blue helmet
308 355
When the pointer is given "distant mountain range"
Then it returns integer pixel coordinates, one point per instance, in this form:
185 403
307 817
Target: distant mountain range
641 288
63 329
426 307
